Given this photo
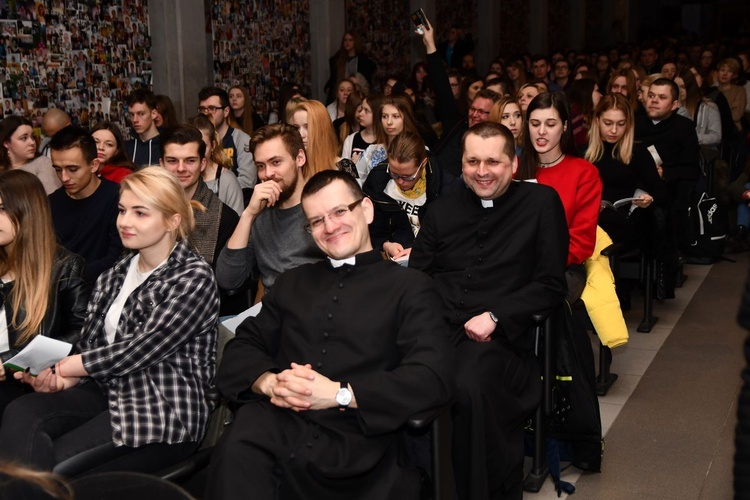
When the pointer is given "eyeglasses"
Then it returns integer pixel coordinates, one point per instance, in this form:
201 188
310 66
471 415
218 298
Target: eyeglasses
473 111
211 109
335 214
407 178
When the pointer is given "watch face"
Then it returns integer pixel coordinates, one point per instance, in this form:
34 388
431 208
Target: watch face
343 397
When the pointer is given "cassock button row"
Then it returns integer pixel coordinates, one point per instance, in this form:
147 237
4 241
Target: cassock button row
341 285
330 316
291 456
466 290
468 276
322 351
479 259
335 298
319 364
325 335
461 302
309 444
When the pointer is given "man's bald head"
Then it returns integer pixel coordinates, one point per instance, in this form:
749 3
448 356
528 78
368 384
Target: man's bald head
53 121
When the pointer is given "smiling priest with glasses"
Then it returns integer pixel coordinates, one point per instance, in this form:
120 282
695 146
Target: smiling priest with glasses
342 354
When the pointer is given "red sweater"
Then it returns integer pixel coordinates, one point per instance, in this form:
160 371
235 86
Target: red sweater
580 188
114 174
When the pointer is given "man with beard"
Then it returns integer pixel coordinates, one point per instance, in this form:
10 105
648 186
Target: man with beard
270 236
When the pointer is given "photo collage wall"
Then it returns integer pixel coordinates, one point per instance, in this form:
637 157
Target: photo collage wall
80 56
386 37
260 44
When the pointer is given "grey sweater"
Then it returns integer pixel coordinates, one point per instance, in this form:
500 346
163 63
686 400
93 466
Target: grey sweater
278 242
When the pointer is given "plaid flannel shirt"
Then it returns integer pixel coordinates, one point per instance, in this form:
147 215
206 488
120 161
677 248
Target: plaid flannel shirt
161 364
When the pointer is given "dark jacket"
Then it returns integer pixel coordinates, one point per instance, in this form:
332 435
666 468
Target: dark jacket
390 222
66 309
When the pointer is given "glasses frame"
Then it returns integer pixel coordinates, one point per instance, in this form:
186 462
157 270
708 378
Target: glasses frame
407 178
331 215
211 109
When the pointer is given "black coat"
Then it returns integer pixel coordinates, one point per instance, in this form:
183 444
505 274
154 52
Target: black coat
66 309
375 325
390 222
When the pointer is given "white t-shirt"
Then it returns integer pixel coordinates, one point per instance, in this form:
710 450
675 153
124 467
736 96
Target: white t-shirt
4 341
409 205
133 280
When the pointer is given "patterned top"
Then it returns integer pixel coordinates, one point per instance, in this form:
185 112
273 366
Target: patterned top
157 371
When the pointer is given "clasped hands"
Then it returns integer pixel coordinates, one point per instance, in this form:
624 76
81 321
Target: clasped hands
300 388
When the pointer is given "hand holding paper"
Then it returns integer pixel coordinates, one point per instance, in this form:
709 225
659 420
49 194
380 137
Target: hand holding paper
42 352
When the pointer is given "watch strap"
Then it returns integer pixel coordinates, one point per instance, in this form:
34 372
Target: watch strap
344 386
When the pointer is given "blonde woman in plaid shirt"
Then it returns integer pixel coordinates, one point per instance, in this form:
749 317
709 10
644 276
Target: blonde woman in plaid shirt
135 392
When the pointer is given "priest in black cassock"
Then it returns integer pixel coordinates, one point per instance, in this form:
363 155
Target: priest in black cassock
341 355
497 252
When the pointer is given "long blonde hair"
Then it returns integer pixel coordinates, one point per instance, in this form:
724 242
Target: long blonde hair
52 484
218 155
322 145
158 187
31 255
496 115
623 150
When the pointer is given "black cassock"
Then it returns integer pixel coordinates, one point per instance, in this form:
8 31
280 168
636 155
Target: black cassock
508 259
375 325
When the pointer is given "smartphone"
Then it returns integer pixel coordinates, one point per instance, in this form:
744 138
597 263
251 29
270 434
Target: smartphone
419 19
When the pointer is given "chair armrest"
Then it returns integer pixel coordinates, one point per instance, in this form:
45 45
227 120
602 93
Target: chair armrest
188 467
423 419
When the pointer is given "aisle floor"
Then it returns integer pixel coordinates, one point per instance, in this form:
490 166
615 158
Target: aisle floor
669 419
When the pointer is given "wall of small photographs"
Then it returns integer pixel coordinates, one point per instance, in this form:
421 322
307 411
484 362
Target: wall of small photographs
385 27
81 56
461 13
260 44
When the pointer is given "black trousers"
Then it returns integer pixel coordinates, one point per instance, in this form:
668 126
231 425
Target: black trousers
497 389
277 454
43 430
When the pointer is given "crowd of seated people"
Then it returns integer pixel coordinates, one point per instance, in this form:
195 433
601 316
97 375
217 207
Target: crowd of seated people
492 184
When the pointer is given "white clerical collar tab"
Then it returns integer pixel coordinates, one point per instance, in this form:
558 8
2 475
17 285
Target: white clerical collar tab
488 203
338 263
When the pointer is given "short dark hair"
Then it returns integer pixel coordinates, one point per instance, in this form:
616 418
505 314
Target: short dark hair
497 81
143 96
673 88
488 94
539 57
485 130
207 92
289 136
74 137
182 134
325 177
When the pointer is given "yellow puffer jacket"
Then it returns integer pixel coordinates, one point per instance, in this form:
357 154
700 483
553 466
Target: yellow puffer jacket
600 298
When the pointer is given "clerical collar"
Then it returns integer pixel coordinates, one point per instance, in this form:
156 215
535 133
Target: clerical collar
338 263
487 203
